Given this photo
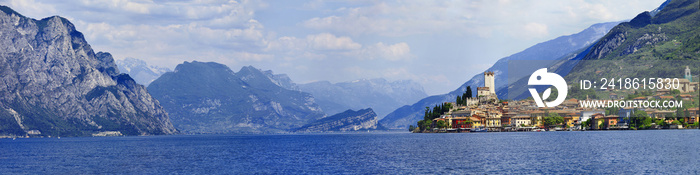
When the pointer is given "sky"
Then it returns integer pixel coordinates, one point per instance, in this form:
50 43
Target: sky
439 44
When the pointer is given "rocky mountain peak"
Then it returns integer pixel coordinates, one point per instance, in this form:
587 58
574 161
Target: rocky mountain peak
55 83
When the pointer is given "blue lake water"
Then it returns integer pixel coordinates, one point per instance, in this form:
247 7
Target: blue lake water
590 152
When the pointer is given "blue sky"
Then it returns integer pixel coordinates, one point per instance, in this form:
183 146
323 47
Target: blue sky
439 44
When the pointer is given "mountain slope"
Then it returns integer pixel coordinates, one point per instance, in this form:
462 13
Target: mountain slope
639 48
379 94
211 98
563 47
141 72
648 46
53 82
349 120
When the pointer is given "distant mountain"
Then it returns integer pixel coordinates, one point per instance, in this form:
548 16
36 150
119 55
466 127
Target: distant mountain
54 84
211 98
379 94
560 48
349 120
281 80
141 72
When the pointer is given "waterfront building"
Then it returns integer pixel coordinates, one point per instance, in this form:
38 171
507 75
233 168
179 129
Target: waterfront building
624 115
694 115
493 120
476 121
611 121
521 120
587 114
659 113
571 119
505 120
596 120
460 123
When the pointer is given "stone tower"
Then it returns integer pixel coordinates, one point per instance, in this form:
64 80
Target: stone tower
489 82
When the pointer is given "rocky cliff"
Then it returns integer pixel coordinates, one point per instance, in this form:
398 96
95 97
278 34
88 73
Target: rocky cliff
211 98
349 120
54 84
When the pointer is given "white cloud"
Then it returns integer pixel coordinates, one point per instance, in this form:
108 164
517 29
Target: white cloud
392 52
327 41
323 45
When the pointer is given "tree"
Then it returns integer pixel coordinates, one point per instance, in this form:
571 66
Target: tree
427 114
553 119
469 92
411 128
641 120
675 92
660 122
441 124
680 113
421 125
586 124
676 122
459 100
612 111
426 124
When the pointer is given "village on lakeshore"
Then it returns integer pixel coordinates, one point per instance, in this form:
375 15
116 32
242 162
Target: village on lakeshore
486 113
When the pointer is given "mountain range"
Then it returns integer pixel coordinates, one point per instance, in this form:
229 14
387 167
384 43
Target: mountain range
54 84
379 94
208 97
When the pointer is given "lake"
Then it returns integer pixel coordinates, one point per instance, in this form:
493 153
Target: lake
590 152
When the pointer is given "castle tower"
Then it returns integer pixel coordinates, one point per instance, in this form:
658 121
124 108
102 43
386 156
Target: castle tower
489 82
687 74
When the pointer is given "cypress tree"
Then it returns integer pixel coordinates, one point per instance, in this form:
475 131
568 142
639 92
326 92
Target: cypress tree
469 91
